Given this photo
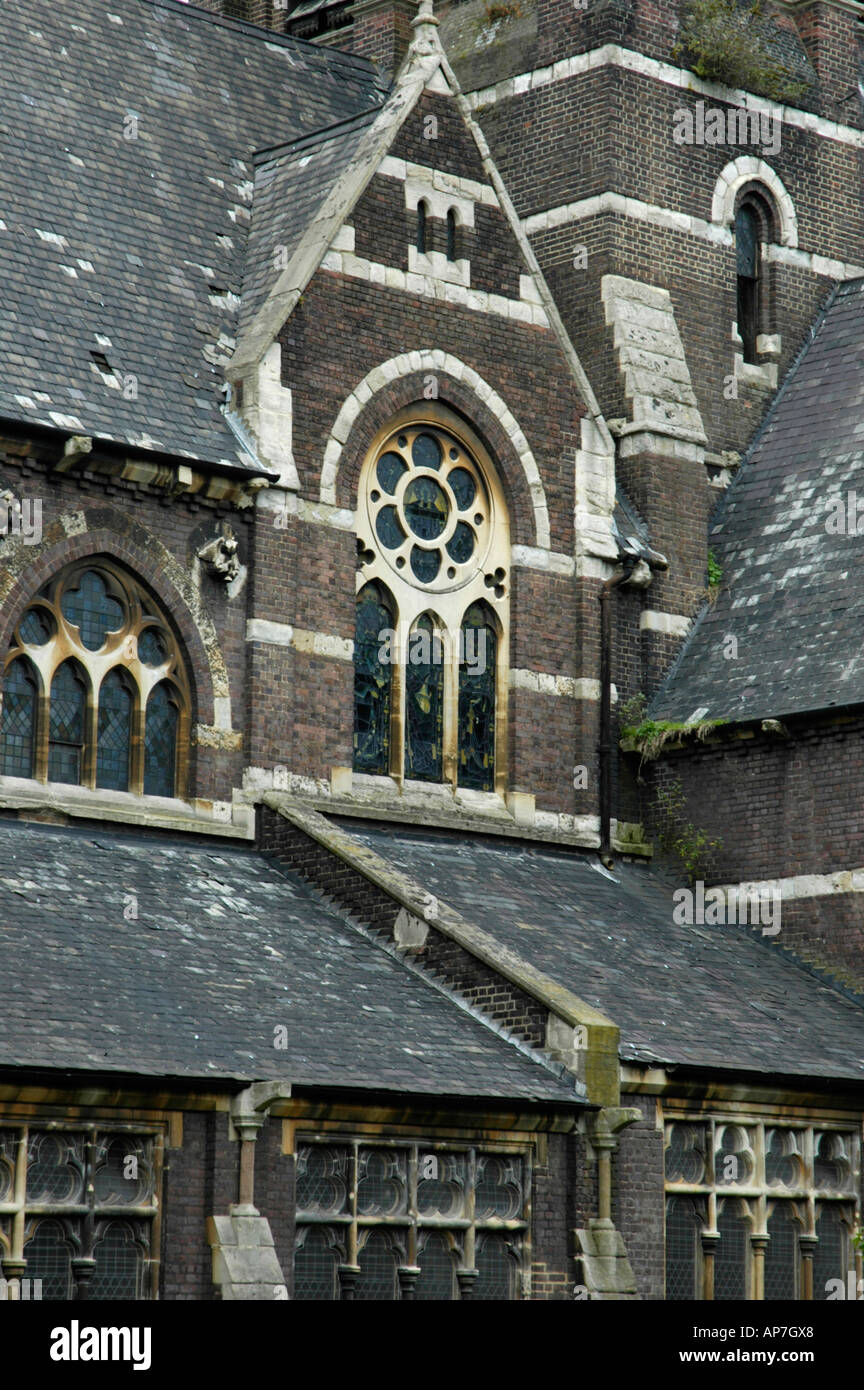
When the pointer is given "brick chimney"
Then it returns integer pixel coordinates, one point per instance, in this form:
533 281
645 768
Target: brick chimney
380 30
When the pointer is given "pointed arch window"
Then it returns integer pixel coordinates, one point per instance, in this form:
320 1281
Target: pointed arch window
96 692
478 646
430 703
451 234
373 680
754 222
422 228
20 694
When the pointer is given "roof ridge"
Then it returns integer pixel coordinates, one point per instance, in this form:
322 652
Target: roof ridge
266 152
257 31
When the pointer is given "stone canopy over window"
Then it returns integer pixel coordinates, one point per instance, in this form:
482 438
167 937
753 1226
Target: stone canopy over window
433 606
95 692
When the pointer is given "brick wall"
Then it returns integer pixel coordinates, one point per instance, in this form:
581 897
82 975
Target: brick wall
638 1201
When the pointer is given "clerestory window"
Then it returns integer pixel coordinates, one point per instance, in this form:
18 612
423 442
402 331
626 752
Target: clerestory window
95 691
432 609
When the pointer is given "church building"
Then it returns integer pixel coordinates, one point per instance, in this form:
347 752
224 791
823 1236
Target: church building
432 690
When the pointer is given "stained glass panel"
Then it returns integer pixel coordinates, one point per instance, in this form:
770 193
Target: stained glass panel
91 609
425 504
382 1183
55 1167
425 564
160 742
66 725
118 1265
746 241
122 1171
373 679
50 1259
464 488
477 702
115 733
460 546
18 731
424 703
35 627
151 648
426 451
391 468
322 1179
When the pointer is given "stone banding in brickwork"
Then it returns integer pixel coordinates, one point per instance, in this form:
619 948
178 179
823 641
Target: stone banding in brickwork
300 638
614 56
434 360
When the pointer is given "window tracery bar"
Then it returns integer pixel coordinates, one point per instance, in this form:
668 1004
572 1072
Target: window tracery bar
71 1196
380 1212
750 1200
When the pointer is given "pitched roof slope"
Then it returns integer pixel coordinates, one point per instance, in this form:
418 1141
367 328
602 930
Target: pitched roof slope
791 594
700 996
223 949
128 131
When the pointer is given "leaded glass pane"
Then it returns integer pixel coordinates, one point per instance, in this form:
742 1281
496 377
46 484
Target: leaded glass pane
372 684
829 1262
746 241
8 1154
316 1265
464 487
441 1180
421 228
683 1229
322 1179
496 1280
730 1260
55 1167
685 1154
35 627
390 470
437 1279
382 1183
91 609
115 733
831 1162
377 1260
426 451
122 1172
425 564
425 504
388 529
151 648
50 1259
118 1265
460 546
66 725
19 720
160 742
781 1256
451 235
424 703
477 703
781 1166
499 1188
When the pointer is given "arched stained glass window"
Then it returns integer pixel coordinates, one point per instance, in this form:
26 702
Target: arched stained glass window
373 680
118 1264
160 742
68 710
477 700
88 731
424 702
18 736
114 732
433 536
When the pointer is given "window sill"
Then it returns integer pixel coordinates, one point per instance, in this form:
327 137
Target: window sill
156 812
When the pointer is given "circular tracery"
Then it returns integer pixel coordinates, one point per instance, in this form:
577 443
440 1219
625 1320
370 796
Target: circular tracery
429 507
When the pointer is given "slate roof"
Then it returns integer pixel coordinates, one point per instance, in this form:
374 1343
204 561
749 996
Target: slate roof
702 997
291 186
224 949
791 593
133 248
